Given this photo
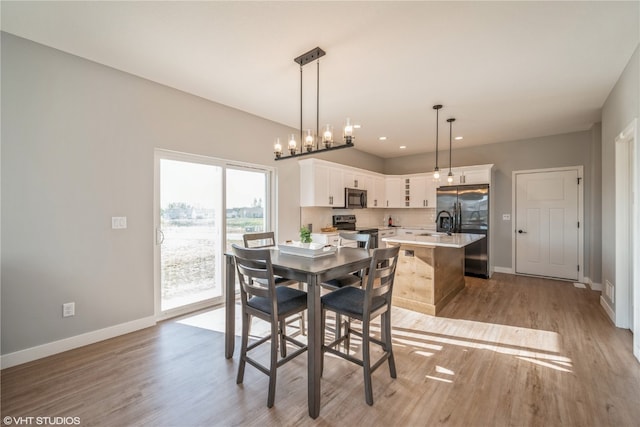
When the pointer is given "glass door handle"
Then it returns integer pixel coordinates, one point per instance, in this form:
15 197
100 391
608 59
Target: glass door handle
159 237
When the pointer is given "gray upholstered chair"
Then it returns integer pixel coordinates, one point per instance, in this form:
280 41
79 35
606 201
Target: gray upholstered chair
267 239
366 304
356 277
259 240
260 297
353 279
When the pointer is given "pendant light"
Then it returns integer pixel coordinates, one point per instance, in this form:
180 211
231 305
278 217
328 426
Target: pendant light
450 176
310 143
436 171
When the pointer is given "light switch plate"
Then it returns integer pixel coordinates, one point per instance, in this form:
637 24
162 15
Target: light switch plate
506 217
118 222
68 309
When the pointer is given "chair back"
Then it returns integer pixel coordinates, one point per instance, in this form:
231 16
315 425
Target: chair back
259 240
381 275
255 273
358 237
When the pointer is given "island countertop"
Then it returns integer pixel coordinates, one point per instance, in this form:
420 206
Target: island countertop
430 239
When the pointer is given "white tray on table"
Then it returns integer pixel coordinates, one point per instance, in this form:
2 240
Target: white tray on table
309 250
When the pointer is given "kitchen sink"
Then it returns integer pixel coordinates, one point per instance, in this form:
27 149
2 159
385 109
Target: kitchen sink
432 234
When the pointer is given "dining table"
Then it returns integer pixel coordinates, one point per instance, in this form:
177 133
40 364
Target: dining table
313 272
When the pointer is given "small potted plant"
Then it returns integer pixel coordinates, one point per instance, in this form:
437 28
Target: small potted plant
305 235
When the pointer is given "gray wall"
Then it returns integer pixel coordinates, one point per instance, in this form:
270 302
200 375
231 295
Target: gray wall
77 149
78 143
571 149
620 108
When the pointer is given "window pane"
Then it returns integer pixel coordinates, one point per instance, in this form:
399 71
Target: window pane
246 203
189 258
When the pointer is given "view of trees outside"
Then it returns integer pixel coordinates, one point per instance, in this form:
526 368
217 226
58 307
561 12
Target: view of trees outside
191 254
246 192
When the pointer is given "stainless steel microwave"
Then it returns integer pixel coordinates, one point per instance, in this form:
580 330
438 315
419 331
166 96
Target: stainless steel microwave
355 198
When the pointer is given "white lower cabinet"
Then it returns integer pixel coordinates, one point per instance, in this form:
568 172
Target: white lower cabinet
332 239
382 233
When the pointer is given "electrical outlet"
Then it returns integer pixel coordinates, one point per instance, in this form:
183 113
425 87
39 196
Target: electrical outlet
506 217
609 291
68 309
118 222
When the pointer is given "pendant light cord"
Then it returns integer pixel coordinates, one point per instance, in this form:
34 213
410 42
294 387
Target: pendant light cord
451 120
450 133
437 111
300 105
437 108
318 106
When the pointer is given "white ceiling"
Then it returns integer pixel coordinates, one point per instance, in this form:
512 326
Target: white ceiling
505 70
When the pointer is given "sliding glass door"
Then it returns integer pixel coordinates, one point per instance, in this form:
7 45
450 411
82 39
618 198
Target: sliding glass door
190 213
203 205
246 203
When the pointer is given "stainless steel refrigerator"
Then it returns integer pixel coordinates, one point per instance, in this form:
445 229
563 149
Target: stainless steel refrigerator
465 209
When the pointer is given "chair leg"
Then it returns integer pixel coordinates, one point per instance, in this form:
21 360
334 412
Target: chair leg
386 330
303 317
281 334
366 363
273 364
323 324
347 331
338 332
246 323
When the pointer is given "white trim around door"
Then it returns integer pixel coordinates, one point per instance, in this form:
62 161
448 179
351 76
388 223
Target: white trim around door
627 233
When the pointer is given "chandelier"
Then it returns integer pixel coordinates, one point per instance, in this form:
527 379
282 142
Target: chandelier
311 143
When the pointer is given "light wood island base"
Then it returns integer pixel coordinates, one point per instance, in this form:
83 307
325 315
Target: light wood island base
427 278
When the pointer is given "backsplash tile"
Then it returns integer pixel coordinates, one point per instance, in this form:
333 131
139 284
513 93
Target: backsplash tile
321 217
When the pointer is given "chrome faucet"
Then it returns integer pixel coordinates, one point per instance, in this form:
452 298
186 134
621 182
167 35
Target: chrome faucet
449 223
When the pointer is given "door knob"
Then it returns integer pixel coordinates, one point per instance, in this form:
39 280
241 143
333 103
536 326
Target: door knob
522 232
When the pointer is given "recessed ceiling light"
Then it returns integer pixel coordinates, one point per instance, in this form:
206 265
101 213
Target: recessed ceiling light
382 138
458 138
402 147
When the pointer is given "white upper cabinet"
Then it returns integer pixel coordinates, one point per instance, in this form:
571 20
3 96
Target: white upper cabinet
376 196
321 184
395 192
421 191
478 174
356 179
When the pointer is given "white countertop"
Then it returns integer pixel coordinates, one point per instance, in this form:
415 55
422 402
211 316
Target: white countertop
456 240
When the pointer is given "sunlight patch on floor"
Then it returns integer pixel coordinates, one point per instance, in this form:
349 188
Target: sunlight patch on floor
434 333
439 379
531 345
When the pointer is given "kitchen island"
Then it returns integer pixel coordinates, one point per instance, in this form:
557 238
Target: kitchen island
430 269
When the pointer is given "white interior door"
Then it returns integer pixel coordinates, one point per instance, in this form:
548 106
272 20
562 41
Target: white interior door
546 223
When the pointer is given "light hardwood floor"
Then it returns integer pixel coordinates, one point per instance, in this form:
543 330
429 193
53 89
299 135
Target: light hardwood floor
507 351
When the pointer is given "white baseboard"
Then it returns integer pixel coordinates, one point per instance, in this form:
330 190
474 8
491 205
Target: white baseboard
594 286
608 309
506 270
44 350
